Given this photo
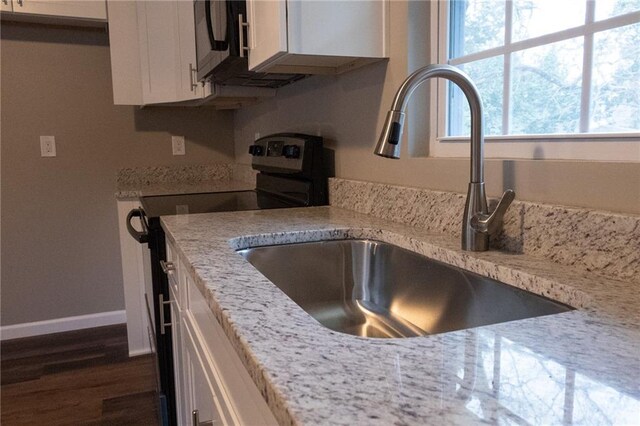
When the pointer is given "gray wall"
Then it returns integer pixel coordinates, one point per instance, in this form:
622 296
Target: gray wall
348 111
60 249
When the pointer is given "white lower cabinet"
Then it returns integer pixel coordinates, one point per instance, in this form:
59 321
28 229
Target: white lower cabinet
202 391
212 385
178 358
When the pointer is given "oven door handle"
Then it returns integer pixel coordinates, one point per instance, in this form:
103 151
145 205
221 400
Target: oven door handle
217 45
141 237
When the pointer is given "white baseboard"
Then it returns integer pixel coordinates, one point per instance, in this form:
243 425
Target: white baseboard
62 324
140 352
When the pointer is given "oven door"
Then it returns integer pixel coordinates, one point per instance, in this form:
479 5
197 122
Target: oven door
160 336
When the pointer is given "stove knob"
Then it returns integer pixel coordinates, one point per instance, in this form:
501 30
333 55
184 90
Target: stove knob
255 150
291 151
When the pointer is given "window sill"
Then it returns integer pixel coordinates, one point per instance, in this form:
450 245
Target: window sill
591 147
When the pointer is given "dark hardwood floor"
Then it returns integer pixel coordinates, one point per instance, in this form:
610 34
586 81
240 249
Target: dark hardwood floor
81 377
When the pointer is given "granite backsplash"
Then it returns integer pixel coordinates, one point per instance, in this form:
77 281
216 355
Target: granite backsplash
174 174
599 242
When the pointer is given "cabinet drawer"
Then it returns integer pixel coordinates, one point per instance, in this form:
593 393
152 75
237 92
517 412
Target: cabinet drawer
242 398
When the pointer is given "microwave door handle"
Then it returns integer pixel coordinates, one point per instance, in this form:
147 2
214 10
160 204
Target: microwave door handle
215 44
207 13
141 237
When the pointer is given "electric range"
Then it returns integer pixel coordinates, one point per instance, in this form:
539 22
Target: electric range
292 173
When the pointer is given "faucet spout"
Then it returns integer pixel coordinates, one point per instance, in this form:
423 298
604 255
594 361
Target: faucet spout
392 130
477 223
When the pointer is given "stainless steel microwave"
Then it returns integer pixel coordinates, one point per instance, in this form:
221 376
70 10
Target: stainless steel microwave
218 49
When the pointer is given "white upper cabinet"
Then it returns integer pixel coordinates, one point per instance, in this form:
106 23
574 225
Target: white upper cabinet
188 86
160 56
153 58
6 6
92 10
152 46
125 53
316 37
267 32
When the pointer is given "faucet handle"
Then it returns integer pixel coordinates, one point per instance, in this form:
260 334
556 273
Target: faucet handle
489 224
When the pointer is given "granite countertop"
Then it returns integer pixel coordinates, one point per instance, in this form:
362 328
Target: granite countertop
136 182
580 367
169 188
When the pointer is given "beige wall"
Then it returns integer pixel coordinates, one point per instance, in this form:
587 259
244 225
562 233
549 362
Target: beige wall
60 249
348 111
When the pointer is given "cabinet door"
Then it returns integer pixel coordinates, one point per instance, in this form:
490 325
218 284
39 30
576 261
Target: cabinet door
74 9
202 405
178 361
188 86
125 53
166 37
267 31
6 6
337 28
159 58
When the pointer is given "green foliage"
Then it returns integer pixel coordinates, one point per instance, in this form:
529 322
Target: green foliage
546 81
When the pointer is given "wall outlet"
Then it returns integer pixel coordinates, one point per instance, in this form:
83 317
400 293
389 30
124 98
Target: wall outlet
47 146
177 142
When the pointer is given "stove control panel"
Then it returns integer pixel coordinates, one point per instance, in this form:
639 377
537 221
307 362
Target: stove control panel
285 152
276 148
291 151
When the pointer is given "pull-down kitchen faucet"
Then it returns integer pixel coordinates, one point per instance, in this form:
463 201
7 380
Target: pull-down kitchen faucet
477 223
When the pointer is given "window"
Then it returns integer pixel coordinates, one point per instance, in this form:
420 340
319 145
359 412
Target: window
558 79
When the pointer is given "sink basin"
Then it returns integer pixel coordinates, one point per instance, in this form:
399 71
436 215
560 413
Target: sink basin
375 289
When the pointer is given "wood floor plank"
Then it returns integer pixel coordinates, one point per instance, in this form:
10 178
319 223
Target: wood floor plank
28 346
135 409
88 384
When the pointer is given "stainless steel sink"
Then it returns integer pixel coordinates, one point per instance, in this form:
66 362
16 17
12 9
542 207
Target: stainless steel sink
374 289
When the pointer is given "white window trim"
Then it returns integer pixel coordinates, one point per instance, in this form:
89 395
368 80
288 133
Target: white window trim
579 146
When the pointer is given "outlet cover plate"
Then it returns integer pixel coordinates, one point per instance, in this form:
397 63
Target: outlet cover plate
47 146
177 143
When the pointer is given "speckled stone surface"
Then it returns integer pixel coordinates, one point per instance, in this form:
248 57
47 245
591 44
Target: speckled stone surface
592 241
580 367
165 180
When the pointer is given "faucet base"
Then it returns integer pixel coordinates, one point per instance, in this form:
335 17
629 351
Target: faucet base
473 240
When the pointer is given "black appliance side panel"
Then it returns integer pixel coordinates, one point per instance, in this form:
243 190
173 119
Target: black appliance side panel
158 252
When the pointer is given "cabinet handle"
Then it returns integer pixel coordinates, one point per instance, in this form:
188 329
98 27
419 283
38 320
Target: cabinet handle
167 267
19 3
5 2
195 418
162 303
192 77
241 26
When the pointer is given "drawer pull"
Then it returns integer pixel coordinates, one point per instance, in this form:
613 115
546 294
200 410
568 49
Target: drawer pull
161 304
193 76
241 26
